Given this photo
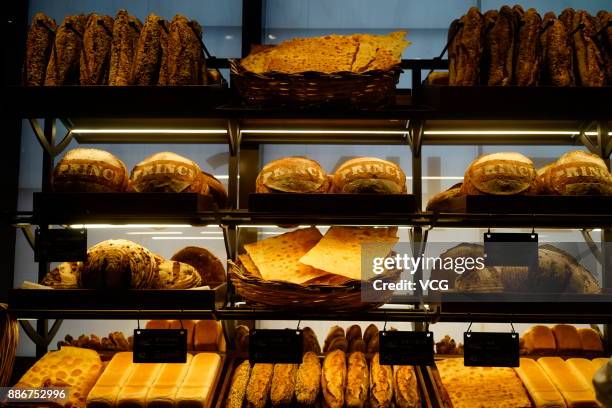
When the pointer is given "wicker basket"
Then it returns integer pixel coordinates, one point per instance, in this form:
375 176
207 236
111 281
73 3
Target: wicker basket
260 293
372 89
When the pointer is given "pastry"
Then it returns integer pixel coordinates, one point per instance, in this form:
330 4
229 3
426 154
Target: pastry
557 53
527 49
578 173
65 276
539 339
405 387
197 388
466 39
95 55
505 173
63 67
381 383
283 384
292 175
126 31
446 201
147 57
177 275
169 173
89 170
237 391
357 381
369 175
39 44
333 379
499 47
209 267
575 391
311 342
216 190
308 380
185 55
567 338
541 389
119 264
259 385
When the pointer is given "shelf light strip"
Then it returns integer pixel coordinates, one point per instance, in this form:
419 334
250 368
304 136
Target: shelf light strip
159 238
152 131
127 226
154 233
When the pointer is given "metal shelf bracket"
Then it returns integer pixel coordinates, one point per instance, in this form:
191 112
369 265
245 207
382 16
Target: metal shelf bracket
43 138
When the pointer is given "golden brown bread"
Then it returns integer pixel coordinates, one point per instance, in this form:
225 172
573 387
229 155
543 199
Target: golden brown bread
527 50
499 47
308 380
89 170
311 342
39 44
283 384
185 56
169 173
465 48
578 173
205 262
333 333
216 190
126 31
333 379
357 381
292 175
370 332
369 175
567 338
505 173
206 335
63 67
405 387
176 275
147 57
338 343
557 53
447 201
260 382
539 340
381 383
590 341
238 387
96 52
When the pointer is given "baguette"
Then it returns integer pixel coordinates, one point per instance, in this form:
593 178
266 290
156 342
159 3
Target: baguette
240 379
126 31
357 381
308 380
39 44
405 387
527 50
260 382
370 332
353 333
283 384
499 48
381 384
334 332
465 49
147 57
95 56
311 343
63 68
333 379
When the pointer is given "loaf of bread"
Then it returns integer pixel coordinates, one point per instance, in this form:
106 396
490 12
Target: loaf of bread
465 46
216 190
188 325
463 250
158 324
116 373
578 173
605 28
134 390
292 175
209 267
333 379
308 380
177 275
95 55
357 345
311 342
559 272
119 264
497 58
147 57
333 333
63 67
446 201
167 172
590 341
198 386
126 31
541 389
528 55
260 383
539 339
369 175
206 335
353 333
65 276
381 383
557 53
582 368
163 391
39 44
163 78
506 173
240 379
89 171
357 381
370 337
574 390
590 67
283 384
185 62
405 387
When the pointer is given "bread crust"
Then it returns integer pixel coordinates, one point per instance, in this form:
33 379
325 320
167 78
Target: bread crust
381 384
527 50
237 391
209 267
444 201
185 60
126 31
308 380
369 175
333 333
167 172
39 44
147 57
292 175
96 53
357 382
283 384
333 379
578 173
63 68
505 173
258 388
89 170
405 387
499 47
465 49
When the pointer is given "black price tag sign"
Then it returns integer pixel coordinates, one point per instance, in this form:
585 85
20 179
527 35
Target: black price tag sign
160 346
483 349
406 348
276 346
511 249
61 245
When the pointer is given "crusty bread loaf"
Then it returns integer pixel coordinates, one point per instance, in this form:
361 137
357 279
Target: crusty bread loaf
185 56
216 190
369 175
541 389
567 338
311 342
308 380
126 31
206 335
177 275
505 173
353 333
39 43
283 384
405 387
446 201
579 173
357 381
370 332
209 267
91 171
333 379
167 172
338 343
575 391
260 382
357 345
95 55
590 341
63 67
559 272
292 175
333 333
540 340
147 54
237 391
381 383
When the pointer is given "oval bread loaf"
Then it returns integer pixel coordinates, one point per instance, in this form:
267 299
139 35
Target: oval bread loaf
369 175
89 171
169 173
506 173
292 175
579 173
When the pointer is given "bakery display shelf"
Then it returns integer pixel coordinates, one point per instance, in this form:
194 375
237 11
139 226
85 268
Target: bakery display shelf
492 219
77 208
512 102
115 304
540 204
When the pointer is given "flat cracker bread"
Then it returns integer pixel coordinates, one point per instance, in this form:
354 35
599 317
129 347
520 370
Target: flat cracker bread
249 265
277 257
339 252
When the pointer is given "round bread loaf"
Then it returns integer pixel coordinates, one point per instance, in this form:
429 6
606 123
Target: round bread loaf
369 175
506 173
292 175
119 264
543 175
579 173
90 171
177 275
215 189
209 267
169 173
446 201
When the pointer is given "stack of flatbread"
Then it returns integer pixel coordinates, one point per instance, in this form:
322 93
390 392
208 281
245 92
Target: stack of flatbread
329 54
304 256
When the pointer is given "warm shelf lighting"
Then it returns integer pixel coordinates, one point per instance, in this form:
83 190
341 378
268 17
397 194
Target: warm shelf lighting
127 226
500 132
327 132
188 238
153 131
154 233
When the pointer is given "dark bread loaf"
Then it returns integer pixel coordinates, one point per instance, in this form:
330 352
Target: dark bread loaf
126 31
466 41
63 68
292 175
205 262
96 52
39 44
147 57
